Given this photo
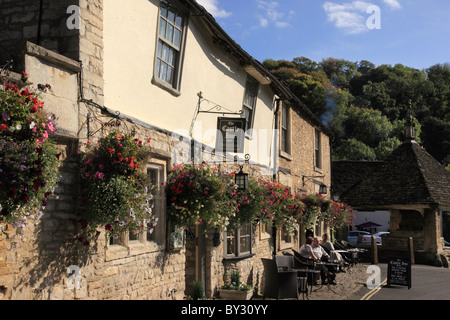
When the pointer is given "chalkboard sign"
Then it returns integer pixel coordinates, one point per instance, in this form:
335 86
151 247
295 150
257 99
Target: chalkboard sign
399 272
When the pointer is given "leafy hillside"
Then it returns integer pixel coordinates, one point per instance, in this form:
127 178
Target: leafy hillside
365 105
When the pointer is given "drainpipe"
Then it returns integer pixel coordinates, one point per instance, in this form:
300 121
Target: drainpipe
38 38
277 109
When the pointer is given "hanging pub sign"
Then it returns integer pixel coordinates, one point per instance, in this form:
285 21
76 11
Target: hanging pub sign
230 135
399 272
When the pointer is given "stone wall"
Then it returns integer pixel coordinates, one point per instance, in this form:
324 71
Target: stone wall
37 268
23 20
300 162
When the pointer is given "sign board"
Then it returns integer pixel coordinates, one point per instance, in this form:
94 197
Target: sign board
230 135
399 272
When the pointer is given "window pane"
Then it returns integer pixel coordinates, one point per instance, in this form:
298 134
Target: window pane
133 236
165 53
171 17
178 21
163 12
170 59
284 118
169 34
158 67
177 37
159 51
245 240
163 72
162 27
169 74
231 244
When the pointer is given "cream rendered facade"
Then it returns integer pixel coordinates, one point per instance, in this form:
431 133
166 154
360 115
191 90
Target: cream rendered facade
117 47
130 38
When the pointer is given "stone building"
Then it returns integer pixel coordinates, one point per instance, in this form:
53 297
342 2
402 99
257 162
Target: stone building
113 62
414 188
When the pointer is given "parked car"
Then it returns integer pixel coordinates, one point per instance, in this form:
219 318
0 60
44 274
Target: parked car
367 239
352 236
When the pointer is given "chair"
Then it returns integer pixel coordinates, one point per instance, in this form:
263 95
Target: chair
308 264
286 262
279 285
326 249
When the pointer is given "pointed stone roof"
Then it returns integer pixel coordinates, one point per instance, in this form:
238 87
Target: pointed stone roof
410 176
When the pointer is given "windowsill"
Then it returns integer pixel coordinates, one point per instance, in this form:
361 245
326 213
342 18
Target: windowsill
135 248
265 236
164 85
245 256
286 245
317 169
285 155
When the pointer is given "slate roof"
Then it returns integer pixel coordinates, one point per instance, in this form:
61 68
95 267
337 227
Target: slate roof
347 173
410 176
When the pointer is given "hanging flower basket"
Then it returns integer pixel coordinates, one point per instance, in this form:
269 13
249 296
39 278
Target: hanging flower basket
117 195
29 160
199 193
282 208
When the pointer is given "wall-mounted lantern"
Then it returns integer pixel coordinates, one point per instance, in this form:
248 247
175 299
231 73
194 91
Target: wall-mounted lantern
241 179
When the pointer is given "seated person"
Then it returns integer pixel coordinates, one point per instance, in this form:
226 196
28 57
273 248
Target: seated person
307 252
333 254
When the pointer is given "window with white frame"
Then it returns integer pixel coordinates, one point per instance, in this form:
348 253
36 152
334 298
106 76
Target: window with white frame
155 173
285 129
249 105
317 149
238 242
170 43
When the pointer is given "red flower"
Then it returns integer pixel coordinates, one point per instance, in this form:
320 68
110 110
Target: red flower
3 127
108 227
12 193
24 197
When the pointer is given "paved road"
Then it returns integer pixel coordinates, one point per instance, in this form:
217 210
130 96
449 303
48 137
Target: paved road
427 283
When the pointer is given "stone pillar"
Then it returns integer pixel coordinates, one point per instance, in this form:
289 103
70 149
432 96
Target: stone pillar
431 228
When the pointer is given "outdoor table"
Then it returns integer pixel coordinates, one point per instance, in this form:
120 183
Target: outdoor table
308 272
331 263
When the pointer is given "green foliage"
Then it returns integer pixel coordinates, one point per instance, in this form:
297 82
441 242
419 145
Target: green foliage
366 105
198 293
352 149
235 282
29 160
200 193
117 195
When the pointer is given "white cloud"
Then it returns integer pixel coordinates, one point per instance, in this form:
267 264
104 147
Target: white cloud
269 14
212 6
393 4
351 17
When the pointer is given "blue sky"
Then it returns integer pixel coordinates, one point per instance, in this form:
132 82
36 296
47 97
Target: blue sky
415 33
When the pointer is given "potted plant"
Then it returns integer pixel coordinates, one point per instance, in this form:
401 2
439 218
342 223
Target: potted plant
235 289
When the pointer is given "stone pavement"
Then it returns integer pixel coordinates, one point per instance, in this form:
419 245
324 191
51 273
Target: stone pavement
348 284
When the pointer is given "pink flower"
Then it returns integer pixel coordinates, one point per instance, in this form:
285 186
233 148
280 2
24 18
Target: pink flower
118 137
45 134
51 127
99 175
